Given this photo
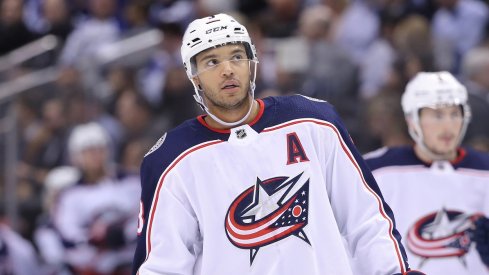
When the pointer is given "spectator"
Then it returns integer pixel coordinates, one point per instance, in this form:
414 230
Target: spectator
136 16
57 19
280 18
458 26
13 31
475 69
100 28
348 16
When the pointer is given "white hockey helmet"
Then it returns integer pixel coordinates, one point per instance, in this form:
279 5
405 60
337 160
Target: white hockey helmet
212 32
86 136
56 180
433 90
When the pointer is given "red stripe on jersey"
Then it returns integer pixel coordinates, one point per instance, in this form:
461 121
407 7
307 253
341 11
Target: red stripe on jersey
268 240
249 230
461 155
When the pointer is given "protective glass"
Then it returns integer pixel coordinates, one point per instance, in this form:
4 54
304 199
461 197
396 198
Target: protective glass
234 62
435 116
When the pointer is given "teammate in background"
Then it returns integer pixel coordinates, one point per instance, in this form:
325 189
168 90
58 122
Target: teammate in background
438 190
96 217
46 238
270 186
17 255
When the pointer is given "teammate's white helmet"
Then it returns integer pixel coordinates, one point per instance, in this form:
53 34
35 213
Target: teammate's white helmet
85 136
433 90
57 180
210 32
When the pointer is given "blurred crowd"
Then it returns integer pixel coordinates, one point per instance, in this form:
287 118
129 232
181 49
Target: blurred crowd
119 85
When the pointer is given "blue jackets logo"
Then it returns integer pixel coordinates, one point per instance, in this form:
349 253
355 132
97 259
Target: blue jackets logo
446 233
267 212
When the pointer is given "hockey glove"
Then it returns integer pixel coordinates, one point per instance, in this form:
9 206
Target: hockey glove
481 238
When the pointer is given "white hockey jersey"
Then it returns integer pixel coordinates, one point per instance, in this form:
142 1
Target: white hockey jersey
286 194
84 210
434 205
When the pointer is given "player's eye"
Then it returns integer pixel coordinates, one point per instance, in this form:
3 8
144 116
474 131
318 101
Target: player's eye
456 115
237 57
211 63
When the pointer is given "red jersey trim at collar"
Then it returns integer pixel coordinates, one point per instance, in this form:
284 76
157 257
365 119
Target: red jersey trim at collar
261 110
461 153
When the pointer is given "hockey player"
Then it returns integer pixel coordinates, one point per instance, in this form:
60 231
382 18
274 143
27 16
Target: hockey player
17 255
95 215
438 190
270 186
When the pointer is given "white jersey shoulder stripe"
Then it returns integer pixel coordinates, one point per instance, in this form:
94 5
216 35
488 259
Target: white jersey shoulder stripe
399 169
376 153
395 169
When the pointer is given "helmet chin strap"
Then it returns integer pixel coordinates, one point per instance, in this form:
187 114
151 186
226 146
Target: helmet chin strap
200 101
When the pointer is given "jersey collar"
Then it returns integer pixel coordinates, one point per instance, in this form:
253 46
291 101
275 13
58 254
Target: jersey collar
261 106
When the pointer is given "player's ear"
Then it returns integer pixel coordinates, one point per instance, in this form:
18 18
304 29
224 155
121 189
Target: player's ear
409 120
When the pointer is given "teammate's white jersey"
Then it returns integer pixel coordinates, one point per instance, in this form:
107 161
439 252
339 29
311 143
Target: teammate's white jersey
434 205
17 255
84 209
279 196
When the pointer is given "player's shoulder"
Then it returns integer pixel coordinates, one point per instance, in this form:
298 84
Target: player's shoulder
474 159
391 156
299 106
174 142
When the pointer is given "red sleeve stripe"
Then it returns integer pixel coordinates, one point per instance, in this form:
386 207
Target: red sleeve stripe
354 162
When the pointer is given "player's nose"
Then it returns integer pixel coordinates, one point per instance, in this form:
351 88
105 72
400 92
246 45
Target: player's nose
226 68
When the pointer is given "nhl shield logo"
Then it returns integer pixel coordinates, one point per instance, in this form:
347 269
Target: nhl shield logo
241 133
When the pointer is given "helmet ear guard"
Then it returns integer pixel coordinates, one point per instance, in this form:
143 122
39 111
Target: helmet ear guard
433 90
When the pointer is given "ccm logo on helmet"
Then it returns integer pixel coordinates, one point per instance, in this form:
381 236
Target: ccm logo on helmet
216 29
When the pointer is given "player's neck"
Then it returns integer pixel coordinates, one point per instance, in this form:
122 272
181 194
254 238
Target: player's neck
93 177
428 158
234 116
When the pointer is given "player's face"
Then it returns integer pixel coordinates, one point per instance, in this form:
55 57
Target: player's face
441 128
224 76
93 159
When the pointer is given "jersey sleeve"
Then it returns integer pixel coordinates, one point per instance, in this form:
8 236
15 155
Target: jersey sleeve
67 219
365 220
169 229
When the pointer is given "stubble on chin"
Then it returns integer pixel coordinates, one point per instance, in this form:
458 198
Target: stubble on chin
229 104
